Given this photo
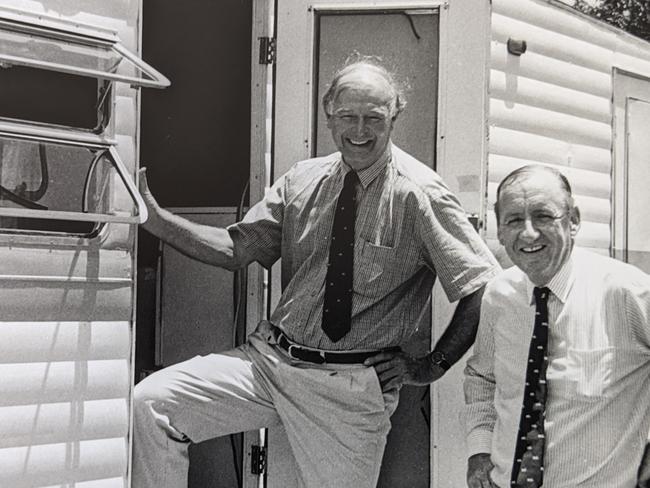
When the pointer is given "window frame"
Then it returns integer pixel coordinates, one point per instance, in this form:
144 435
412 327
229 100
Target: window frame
116 161
55 30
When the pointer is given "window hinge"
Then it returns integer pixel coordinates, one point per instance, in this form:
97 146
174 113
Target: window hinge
258 459
267 50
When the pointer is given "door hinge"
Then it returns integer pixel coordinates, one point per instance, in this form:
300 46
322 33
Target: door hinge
258 459
267 50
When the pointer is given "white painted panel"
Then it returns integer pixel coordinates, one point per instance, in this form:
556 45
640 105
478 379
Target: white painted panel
22 342
84 262
554 71
542 149
638 172
513 90
126 150
552 44
550 124
64 463
29 383
196 299
52 423
583 182
125 111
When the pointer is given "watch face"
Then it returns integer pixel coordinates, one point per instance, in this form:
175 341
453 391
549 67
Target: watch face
439 359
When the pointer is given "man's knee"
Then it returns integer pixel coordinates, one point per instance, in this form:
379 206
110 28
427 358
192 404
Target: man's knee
152 393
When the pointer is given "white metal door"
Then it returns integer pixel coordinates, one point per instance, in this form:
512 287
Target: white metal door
631 240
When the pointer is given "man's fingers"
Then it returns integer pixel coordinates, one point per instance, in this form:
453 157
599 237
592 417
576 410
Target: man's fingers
389 365
392 384
142 179
379 358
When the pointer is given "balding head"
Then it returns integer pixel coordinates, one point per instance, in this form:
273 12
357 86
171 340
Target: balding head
362 71
531 171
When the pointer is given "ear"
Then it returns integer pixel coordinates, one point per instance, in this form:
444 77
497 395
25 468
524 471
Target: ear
574 216
328 118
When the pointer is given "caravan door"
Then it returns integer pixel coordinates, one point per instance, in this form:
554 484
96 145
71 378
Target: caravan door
631 230
439 50
313 42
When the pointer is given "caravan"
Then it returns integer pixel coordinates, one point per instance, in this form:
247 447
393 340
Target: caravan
492 85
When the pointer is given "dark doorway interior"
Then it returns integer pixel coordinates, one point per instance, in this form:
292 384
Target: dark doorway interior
195 142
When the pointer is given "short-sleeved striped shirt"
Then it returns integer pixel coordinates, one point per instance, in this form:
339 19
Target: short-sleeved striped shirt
597 407
409 229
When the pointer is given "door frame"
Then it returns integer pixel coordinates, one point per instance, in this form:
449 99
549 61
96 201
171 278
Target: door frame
625 85
461 157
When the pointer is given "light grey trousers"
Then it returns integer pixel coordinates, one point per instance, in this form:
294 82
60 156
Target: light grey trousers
335 416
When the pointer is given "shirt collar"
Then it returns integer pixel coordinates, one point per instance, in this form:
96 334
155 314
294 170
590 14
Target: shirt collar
560 284
368 175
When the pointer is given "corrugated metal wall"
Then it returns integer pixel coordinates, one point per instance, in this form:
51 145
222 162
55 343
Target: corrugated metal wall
552 105
67 315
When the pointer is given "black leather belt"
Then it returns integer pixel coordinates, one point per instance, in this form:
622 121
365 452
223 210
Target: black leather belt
320 357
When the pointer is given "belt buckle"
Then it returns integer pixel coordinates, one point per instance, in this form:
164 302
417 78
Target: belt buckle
292 347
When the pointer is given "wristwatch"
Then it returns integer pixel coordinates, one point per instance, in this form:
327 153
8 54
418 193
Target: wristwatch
438 358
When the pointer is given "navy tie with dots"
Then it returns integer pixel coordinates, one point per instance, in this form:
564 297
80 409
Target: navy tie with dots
337 306
528 465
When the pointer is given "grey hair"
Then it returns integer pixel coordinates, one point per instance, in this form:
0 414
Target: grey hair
371 63
524 171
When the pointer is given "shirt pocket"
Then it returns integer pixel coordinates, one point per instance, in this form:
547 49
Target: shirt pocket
589 373
374 269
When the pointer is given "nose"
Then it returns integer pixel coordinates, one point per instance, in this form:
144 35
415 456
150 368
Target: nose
529 230
360 126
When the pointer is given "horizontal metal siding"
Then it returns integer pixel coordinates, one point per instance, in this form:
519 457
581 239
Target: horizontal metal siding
66 340
64 464
64 402
552 105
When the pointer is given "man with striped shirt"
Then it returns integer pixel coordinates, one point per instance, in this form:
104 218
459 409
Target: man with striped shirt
363 234
572 409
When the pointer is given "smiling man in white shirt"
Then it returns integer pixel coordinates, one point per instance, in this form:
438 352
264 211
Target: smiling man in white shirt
558 387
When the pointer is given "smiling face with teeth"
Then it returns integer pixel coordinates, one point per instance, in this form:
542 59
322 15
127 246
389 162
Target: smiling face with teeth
361 118
537 223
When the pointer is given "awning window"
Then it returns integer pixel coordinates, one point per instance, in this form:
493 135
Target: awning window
54 186
72 49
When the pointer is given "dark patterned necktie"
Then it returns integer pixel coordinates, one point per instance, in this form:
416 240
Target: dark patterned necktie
337 307
528 466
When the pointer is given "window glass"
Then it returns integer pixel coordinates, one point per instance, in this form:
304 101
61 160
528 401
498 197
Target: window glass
407 43
58 50
51 97
57 187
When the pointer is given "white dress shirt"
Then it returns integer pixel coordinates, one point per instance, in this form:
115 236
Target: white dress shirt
598 403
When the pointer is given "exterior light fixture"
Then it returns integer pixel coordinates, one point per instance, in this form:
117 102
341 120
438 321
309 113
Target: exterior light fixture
516 46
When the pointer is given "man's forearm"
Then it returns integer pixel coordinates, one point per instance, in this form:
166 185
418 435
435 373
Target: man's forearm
207 244
461 331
